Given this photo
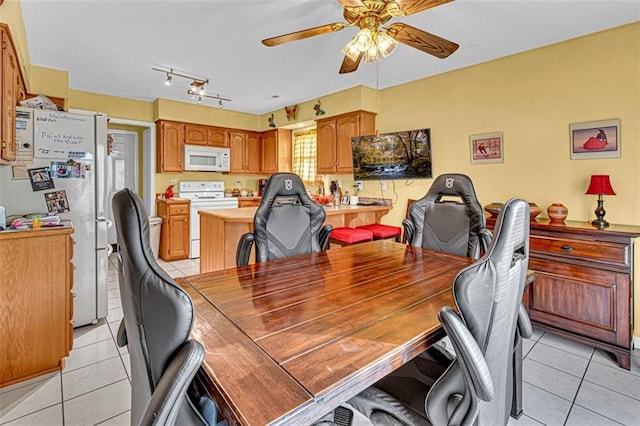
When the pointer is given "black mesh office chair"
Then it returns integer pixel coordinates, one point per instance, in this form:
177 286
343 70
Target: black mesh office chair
287 222
488 294
448 218
158 316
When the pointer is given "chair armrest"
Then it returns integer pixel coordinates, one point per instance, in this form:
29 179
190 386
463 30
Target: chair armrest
121 337
524 323
409 230
469 356
165 401
485 239
323 237
244 249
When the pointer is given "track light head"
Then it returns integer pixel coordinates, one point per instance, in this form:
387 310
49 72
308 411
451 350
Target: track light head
168 80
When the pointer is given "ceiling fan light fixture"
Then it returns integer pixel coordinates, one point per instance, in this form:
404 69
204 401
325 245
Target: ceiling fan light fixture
372 55
386 44
364 39
350 50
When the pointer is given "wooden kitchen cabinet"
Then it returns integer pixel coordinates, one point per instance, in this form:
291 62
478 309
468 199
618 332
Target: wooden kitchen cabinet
196 134
170 147
583 284
36 302
334 140
245 151
276 151
218 136
174 233
11 92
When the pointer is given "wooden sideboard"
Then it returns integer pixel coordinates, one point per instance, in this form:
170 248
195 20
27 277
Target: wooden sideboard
583 287
36 302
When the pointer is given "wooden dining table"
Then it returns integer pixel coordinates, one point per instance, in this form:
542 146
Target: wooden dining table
287 341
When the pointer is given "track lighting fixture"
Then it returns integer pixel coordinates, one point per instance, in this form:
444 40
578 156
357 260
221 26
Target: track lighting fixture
197 87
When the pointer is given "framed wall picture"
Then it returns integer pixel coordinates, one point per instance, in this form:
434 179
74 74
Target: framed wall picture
487 148
595 139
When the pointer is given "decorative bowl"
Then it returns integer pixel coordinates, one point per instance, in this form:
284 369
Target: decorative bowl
323 199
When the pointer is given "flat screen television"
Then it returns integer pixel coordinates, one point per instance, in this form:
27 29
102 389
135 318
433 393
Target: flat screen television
396 155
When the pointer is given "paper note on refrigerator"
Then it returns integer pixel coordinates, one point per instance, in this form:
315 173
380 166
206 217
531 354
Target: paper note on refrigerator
62 135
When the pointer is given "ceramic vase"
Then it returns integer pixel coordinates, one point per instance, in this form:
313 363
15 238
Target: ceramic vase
535 210
557 212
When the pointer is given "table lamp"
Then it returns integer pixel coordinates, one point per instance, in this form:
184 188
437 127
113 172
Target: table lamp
600 185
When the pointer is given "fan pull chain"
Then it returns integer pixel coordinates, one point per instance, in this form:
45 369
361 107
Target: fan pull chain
377 98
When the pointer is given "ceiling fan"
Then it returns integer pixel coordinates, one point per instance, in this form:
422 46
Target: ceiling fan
375 39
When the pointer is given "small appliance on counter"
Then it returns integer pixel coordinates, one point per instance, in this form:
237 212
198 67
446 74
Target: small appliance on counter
261 184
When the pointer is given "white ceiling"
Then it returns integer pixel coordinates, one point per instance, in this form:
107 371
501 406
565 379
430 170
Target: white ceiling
110 46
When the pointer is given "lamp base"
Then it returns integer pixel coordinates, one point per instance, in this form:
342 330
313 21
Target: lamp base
600 223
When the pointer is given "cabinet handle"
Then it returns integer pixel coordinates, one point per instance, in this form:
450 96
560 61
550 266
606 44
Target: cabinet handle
567 248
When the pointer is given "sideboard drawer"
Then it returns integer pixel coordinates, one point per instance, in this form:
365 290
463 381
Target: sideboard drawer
585 249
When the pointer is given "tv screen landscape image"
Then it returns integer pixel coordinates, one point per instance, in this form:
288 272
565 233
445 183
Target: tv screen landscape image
396 155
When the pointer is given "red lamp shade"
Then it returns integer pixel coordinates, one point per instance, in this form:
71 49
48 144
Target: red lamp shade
600 185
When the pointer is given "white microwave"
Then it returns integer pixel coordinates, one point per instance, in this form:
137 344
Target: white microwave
206 159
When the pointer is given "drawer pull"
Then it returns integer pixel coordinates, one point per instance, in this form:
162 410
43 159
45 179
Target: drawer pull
567 248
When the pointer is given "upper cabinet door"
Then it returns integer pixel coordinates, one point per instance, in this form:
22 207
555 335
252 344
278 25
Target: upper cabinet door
195 134
326 152
253 152
9 77
236 143
276 151
170 147
218 136
346 127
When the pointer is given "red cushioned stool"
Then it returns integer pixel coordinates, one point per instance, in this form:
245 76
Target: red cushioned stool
382 232
345 236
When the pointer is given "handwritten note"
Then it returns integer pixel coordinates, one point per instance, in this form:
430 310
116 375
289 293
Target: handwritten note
62 135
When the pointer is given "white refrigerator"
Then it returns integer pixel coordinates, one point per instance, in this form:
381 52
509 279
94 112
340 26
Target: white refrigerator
74 149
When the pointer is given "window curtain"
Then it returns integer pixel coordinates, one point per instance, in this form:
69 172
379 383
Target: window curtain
304 155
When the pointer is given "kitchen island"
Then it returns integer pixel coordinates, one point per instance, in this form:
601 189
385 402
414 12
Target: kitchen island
220 230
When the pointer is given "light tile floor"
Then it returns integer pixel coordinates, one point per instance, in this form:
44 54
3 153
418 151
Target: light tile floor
565 383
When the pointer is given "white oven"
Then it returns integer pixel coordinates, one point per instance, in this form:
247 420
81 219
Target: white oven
203 196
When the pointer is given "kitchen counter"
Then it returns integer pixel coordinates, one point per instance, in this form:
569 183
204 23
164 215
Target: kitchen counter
220 230
65 227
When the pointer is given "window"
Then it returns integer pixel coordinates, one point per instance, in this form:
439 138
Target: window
304 155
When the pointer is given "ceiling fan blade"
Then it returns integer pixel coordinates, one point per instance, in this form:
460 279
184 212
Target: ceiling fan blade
350 66
414 6
299 35
422 40
351 3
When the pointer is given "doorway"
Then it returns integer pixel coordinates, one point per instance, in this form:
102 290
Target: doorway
123 169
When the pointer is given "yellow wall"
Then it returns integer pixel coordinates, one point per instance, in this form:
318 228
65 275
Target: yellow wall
353 99
532 98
